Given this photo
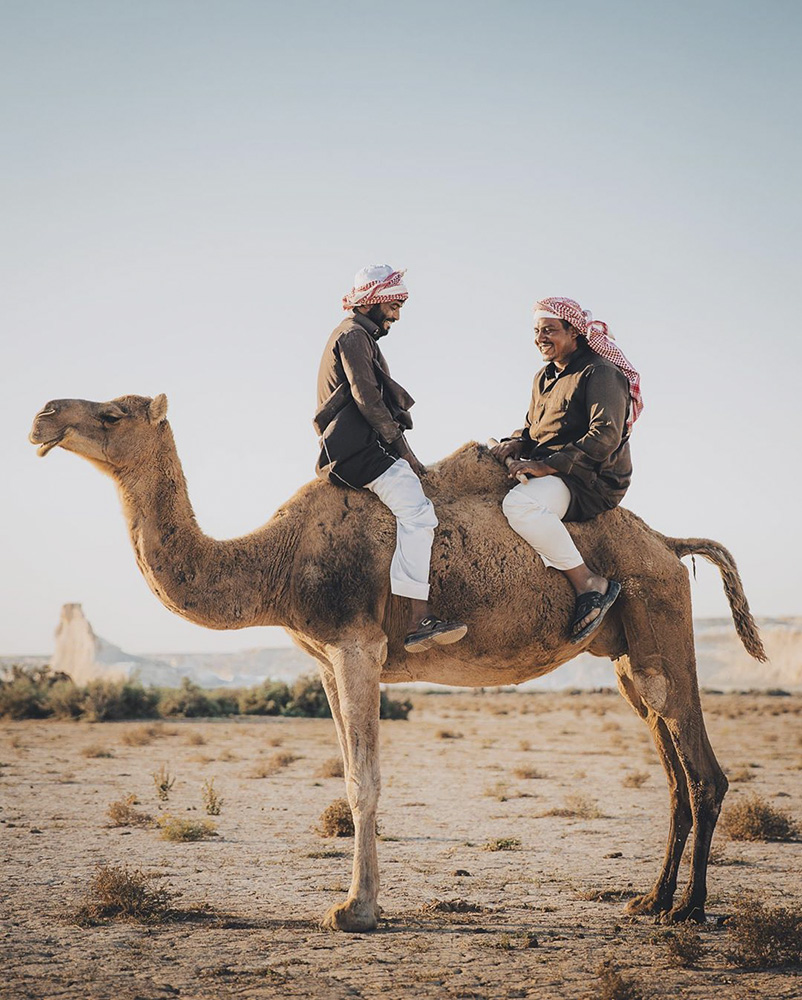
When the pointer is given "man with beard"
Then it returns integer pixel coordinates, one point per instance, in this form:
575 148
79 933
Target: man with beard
361 419
572 458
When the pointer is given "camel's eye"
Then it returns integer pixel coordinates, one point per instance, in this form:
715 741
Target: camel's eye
110 418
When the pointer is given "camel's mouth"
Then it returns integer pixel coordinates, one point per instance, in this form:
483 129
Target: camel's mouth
47 446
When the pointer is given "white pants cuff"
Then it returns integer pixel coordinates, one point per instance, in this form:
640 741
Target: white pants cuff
400 489
535 510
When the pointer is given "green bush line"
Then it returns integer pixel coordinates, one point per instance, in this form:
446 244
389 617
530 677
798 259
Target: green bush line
37 693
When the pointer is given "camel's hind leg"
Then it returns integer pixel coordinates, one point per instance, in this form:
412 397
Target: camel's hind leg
351 679
661 895
662 672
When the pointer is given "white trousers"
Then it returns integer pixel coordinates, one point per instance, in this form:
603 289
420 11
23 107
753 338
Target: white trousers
400 489
535 510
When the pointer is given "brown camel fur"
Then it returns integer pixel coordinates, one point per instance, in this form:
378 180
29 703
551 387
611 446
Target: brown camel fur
320 568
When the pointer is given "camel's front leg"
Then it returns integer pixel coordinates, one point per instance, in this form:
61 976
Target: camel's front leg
357 666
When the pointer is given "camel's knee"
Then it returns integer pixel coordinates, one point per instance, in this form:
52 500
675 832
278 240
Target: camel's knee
363 795
652 684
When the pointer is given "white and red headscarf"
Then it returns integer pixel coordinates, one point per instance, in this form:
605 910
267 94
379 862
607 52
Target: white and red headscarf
599 339
376 283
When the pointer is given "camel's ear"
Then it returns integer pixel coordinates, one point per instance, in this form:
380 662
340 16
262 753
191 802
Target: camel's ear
157 410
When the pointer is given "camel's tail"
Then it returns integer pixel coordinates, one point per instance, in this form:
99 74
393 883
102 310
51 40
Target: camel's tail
744 622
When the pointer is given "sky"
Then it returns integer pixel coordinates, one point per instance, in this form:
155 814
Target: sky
188 188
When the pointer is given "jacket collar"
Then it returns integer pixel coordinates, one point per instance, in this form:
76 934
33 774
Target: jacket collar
578 361
368 325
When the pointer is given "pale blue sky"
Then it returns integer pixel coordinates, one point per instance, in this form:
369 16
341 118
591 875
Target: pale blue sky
188 188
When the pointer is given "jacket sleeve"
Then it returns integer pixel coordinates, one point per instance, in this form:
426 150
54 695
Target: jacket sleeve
607 400
357 361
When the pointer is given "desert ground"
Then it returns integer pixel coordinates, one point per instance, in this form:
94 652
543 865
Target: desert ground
466 773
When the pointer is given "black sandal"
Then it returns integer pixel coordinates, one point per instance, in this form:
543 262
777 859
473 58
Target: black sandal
585 603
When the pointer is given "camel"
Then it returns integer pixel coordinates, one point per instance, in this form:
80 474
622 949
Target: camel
320 568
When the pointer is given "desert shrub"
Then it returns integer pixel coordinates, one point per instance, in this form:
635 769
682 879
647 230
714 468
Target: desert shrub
212 802
741 774
66 700
683 945
576 807
123 813
635 779
191 702
754 819
23 693
451 906
448 734
528 773
331 768
763 937
615 986
122 893
96 750
336 820
393 709
275 763
177 829
107 701
269 698
164 782
308 699
502 844
139 736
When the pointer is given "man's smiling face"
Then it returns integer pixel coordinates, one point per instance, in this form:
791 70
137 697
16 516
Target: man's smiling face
555 340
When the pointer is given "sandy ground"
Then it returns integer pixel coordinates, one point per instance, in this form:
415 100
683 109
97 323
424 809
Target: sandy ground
455 778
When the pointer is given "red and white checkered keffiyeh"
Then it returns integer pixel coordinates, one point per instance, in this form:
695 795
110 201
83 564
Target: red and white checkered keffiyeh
376 283
599 339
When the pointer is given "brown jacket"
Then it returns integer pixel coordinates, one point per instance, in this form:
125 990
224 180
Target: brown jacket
361 411
577 424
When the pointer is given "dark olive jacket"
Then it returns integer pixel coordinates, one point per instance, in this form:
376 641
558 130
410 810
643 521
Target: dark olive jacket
577 424
361 411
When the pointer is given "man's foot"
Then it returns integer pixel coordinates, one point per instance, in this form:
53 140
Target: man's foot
590 601
434 632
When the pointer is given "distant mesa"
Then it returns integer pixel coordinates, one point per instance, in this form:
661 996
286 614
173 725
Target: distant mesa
85 656
722 662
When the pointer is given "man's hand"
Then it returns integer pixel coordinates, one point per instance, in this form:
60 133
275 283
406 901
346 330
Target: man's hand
535 469
507 449
405 452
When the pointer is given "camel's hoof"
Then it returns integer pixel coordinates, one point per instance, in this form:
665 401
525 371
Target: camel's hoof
647 906
684 912
354 918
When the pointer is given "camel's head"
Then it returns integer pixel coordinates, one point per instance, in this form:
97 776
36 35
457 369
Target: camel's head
114 435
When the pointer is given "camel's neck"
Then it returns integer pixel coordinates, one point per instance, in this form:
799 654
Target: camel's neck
218 584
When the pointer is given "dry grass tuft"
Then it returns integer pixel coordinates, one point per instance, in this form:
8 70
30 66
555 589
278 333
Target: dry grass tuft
528 772
740 774
683 945
96 750
502 844
212 802
336 820
195 739
177 829
121 893
164 782
754 819
275 763
764 937
142 736
451 906
576 807
331 768
122 813
615 986
448 734
635 779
